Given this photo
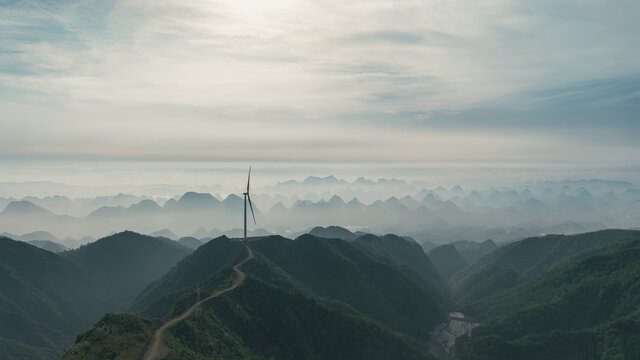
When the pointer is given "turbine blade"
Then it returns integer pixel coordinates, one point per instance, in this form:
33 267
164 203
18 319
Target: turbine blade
251 206
248 179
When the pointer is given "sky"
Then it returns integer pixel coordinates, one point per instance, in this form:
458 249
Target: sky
546 83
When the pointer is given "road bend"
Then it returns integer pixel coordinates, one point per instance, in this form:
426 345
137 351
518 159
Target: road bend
152 351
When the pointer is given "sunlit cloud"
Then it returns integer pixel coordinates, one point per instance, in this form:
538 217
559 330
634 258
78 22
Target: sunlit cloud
317 80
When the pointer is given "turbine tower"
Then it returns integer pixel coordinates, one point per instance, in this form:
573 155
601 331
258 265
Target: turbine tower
247 197
198 310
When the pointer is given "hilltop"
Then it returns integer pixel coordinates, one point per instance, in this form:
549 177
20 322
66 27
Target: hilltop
303 298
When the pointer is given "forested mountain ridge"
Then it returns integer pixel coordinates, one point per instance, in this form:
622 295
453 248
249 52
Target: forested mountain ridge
47 299
127 262
303 298
586 309
530 257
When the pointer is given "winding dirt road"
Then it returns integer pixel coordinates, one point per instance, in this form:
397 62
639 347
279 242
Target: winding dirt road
152 351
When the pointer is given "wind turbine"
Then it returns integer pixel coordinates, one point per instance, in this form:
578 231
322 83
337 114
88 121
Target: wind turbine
246 197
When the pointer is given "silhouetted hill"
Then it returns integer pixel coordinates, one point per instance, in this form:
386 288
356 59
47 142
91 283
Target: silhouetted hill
407 253
38 235
327 180
51 246
197 201
23 207
531 257
584 309
446 260
472 251
341 271
165 233
45 300
127 262
190 242
332 232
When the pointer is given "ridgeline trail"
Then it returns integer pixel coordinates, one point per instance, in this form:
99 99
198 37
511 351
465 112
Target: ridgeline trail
153 352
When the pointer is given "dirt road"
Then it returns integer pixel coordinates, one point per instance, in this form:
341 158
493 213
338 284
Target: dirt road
152 351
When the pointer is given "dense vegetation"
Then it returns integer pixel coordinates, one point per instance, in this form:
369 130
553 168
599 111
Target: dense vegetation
338 270
127 262
373 297
529 258
259 321
406 254
121 336
46 299
310 298
196 269
582 309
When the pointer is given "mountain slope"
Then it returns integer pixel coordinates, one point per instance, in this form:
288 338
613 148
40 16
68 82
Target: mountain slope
115 336
332 232
338 270
259 321
51 246
308 298
45 300
195 268
472 251
127 262
190 242
531 257
586 309
405 253
446 260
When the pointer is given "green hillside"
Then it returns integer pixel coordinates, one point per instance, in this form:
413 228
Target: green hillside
45 300
338 270
586 309
116 336
405 253
308 298
260 321
127 262
528 258
196 268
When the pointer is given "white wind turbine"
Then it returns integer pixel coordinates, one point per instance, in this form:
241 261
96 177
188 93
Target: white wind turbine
246 197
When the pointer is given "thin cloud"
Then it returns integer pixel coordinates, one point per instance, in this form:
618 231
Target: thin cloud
167 78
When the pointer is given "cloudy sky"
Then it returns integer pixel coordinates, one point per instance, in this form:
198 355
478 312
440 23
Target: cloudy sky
540 82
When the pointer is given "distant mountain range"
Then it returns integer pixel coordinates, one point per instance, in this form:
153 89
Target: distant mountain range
332 180
48 241
435 215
